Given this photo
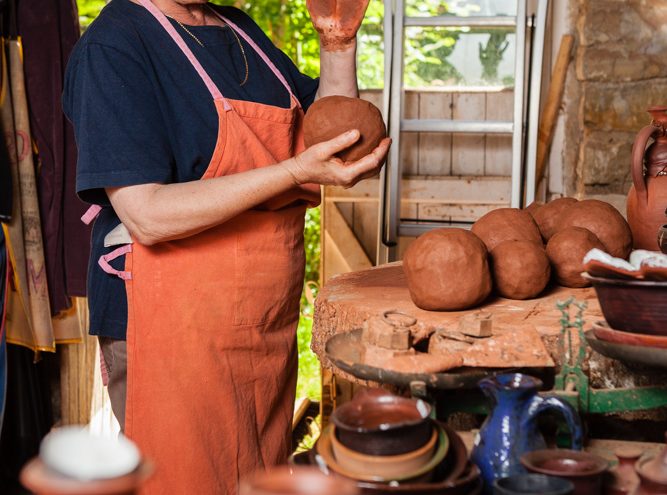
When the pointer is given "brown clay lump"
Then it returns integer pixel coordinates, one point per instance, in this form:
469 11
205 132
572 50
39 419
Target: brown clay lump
520 269
533 207
604 221
506 224
548 217
566 251
447 270
331 116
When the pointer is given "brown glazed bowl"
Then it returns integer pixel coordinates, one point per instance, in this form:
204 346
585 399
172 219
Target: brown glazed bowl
604 332
296 480
584 470
377 422
637 306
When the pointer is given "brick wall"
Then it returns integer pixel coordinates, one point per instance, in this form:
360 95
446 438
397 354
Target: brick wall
619 70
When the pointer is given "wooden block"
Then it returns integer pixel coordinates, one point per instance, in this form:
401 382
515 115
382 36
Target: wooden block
477 324
378 332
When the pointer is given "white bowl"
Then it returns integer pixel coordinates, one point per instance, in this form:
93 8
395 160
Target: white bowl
74 452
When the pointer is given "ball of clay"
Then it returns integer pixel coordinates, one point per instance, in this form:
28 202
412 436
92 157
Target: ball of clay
331 116
447 270
548 217
506 224
520 269
604 221
533 207
566 250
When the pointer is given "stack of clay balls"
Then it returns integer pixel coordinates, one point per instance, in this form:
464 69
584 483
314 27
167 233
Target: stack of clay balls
515 251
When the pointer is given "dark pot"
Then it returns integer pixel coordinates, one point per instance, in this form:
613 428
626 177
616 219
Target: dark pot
633 305
376 422
583 469
538 484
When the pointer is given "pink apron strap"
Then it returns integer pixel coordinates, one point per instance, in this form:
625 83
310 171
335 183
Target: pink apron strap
259 52
116 253
91 213
162 19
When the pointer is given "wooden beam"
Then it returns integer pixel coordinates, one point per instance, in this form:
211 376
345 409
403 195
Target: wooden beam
434 190
343 250
552 105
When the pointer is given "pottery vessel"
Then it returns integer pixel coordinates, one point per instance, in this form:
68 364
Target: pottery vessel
624 479
296 480
583 469
511 429
522 484
652 471
41 480
385 465
376 422
604 332
638 306
648 195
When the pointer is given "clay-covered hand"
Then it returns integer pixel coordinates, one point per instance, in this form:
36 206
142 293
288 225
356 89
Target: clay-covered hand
337 21
319 165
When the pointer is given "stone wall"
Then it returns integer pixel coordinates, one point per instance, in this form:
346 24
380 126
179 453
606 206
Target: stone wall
619 70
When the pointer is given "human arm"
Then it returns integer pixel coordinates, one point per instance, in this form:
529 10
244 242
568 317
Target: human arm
148 211
337 22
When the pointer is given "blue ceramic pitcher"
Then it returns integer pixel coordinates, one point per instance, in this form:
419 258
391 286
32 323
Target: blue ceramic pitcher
511 428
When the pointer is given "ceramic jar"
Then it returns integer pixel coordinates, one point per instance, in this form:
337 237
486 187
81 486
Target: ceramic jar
652 471
647 198
624 478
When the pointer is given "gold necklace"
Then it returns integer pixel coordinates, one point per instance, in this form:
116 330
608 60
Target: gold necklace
245 59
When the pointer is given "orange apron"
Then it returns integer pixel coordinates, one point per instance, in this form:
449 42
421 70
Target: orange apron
211 339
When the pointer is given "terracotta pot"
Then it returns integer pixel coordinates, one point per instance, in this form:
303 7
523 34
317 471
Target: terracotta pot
296 480
624 479
652 471
583 469
648 195
42 481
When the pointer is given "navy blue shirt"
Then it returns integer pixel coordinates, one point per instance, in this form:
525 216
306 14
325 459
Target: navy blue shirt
142 114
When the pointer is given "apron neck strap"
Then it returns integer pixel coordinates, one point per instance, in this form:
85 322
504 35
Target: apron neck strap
162 19
259 52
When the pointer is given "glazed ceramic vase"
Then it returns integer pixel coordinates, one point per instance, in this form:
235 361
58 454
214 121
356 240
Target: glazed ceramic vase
511 429
647 198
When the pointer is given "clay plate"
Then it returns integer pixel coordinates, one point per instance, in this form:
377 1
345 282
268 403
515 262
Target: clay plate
629 354
603 331
598 269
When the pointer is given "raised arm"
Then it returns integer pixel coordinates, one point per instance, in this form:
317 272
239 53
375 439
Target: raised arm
337 22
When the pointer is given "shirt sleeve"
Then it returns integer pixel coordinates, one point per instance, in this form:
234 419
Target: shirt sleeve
119 128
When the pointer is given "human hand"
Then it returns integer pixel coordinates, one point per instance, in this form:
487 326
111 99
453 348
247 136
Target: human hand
319 165
337 21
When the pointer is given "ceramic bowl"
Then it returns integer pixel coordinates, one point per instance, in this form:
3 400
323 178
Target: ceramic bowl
583 469
633 305
603 331
532 484
376 422
468 483
326 459
297 480
386 466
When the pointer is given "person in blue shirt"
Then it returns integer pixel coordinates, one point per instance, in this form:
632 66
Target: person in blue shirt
188 122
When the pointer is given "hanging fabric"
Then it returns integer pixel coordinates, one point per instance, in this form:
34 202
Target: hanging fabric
28 308
4 282
48 30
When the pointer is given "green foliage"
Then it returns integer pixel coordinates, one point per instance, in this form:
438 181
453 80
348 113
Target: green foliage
491 55
88 11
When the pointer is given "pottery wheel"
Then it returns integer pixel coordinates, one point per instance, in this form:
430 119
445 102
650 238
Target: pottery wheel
526 333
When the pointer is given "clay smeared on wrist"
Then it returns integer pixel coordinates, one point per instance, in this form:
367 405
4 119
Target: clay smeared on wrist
337 44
